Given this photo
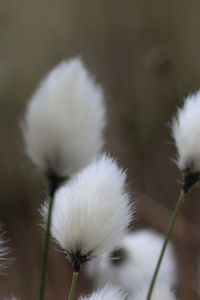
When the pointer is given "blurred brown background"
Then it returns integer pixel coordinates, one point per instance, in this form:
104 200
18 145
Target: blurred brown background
146 55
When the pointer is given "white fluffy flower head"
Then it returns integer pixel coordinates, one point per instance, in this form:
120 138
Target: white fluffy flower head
186 133
106 293
134 262
64 120
92 211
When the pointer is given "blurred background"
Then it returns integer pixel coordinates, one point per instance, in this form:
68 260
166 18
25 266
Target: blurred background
146 56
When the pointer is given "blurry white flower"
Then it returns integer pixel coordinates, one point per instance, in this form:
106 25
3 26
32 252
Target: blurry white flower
186 133
107 293
64 121
91 212
162 291
132 265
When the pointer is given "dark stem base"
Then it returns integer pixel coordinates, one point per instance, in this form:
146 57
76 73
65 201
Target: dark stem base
53 181
77 259
190 179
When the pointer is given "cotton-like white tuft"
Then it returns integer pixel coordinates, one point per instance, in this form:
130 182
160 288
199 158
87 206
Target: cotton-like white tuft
186 134
64 120
162 291
107 293
133 264
92 211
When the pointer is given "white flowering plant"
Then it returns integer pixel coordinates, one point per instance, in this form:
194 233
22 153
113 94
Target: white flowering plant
89 209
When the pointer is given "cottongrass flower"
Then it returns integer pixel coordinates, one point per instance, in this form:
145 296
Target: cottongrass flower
91 212
106 293
133 263
63 129
186 134
64 121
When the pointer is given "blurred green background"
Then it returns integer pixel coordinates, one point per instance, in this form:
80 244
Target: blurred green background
145 53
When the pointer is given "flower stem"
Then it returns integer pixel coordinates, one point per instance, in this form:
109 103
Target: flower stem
73 286
45 252
177 208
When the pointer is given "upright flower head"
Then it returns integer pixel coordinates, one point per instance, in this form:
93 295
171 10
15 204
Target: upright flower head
132 265
106 293
186 134
91 212
64 120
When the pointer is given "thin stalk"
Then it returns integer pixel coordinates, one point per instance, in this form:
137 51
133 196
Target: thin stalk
73 286
176 211
45 252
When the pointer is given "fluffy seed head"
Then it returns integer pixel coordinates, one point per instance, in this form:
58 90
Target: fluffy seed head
107 293
186 134
133 264
63 123
92 211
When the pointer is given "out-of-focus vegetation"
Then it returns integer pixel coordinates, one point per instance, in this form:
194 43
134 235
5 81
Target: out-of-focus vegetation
146 55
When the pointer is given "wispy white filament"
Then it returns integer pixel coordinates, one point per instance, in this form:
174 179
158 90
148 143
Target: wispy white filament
186 133
107 293
92 211
4 251
64 120
141 250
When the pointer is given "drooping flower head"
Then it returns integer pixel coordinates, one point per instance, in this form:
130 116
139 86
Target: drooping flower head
64 121
91 212
131 266
186 134
106 293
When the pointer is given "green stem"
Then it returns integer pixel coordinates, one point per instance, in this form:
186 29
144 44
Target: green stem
45 252
177 208
73 286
